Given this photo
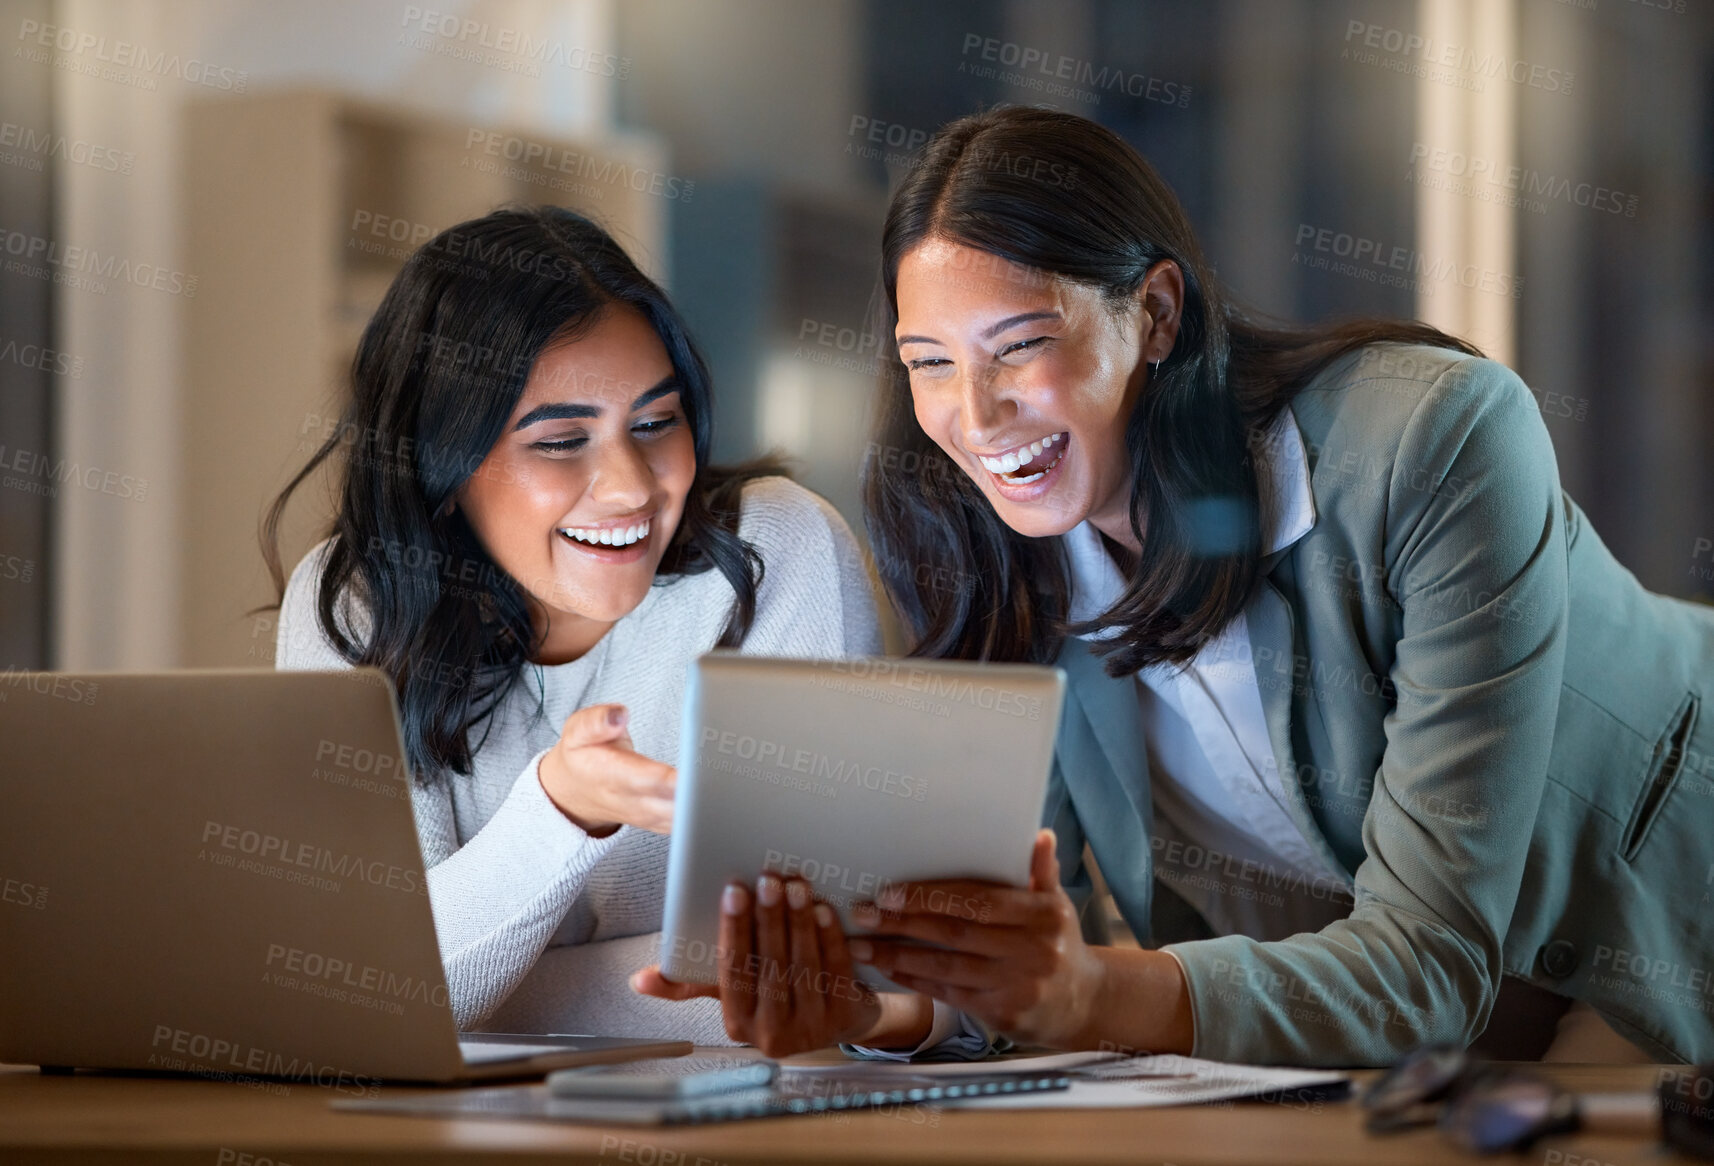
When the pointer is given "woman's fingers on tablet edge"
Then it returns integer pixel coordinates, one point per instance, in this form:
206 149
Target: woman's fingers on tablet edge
973 1001
986 904
955 968
1044 865
850 996
737 978
809 1005
773 981
947 931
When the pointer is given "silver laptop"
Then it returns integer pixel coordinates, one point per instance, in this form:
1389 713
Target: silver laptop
854 775
217 872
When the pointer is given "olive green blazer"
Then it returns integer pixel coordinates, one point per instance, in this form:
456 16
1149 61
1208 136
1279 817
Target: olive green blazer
1478 713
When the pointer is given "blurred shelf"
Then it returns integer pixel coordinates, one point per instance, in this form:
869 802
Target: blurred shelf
301 206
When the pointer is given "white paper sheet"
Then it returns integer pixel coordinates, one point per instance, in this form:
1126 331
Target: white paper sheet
1101 1080
1042 1063
1141 1082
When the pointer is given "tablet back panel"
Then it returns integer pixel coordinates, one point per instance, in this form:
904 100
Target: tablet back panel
853 774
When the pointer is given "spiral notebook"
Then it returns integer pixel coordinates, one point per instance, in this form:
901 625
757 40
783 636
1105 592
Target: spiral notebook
814 1092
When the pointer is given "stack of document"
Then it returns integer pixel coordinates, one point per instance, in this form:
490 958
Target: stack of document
1113 1081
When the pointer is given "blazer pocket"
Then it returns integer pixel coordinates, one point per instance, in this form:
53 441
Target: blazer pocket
1665 764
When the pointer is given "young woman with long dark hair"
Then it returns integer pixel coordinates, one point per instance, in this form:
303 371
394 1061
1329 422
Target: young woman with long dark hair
531 544
1365 728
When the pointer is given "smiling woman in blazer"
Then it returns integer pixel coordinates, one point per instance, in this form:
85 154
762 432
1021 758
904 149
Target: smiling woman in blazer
1365 728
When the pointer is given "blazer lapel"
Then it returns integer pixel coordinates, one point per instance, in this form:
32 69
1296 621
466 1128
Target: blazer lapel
1106 771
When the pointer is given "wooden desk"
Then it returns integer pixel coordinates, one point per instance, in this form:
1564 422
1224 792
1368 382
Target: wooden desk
111 1119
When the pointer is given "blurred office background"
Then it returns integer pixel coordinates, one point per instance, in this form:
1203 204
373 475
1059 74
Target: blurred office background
202 200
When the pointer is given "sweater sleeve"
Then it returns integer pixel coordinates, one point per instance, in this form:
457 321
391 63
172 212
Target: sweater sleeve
498 898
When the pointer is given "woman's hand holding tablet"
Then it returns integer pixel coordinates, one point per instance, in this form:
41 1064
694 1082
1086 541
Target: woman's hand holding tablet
788 983
1015 958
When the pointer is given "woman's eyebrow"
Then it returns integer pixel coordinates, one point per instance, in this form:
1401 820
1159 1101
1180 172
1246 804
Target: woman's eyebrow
1020 318
558 411
570 411
665 387
992 331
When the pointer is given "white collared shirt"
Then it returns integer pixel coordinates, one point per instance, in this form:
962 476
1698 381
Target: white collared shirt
1225 840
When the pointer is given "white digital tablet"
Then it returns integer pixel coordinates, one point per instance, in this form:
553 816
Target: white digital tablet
854 775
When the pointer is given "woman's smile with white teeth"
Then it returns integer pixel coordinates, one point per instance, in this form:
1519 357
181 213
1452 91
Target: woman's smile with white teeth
611 536
1023 455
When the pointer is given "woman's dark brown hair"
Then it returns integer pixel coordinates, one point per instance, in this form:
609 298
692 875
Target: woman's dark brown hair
438 371
1064 196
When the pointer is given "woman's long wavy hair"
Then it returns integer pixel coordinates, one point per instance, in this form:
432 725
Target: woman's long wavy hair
1064 196
438 372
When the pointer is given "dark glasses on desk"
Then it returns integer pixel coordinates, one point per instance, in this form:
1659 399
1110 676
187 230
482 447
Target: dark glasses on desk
1687 1111
1483 1108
